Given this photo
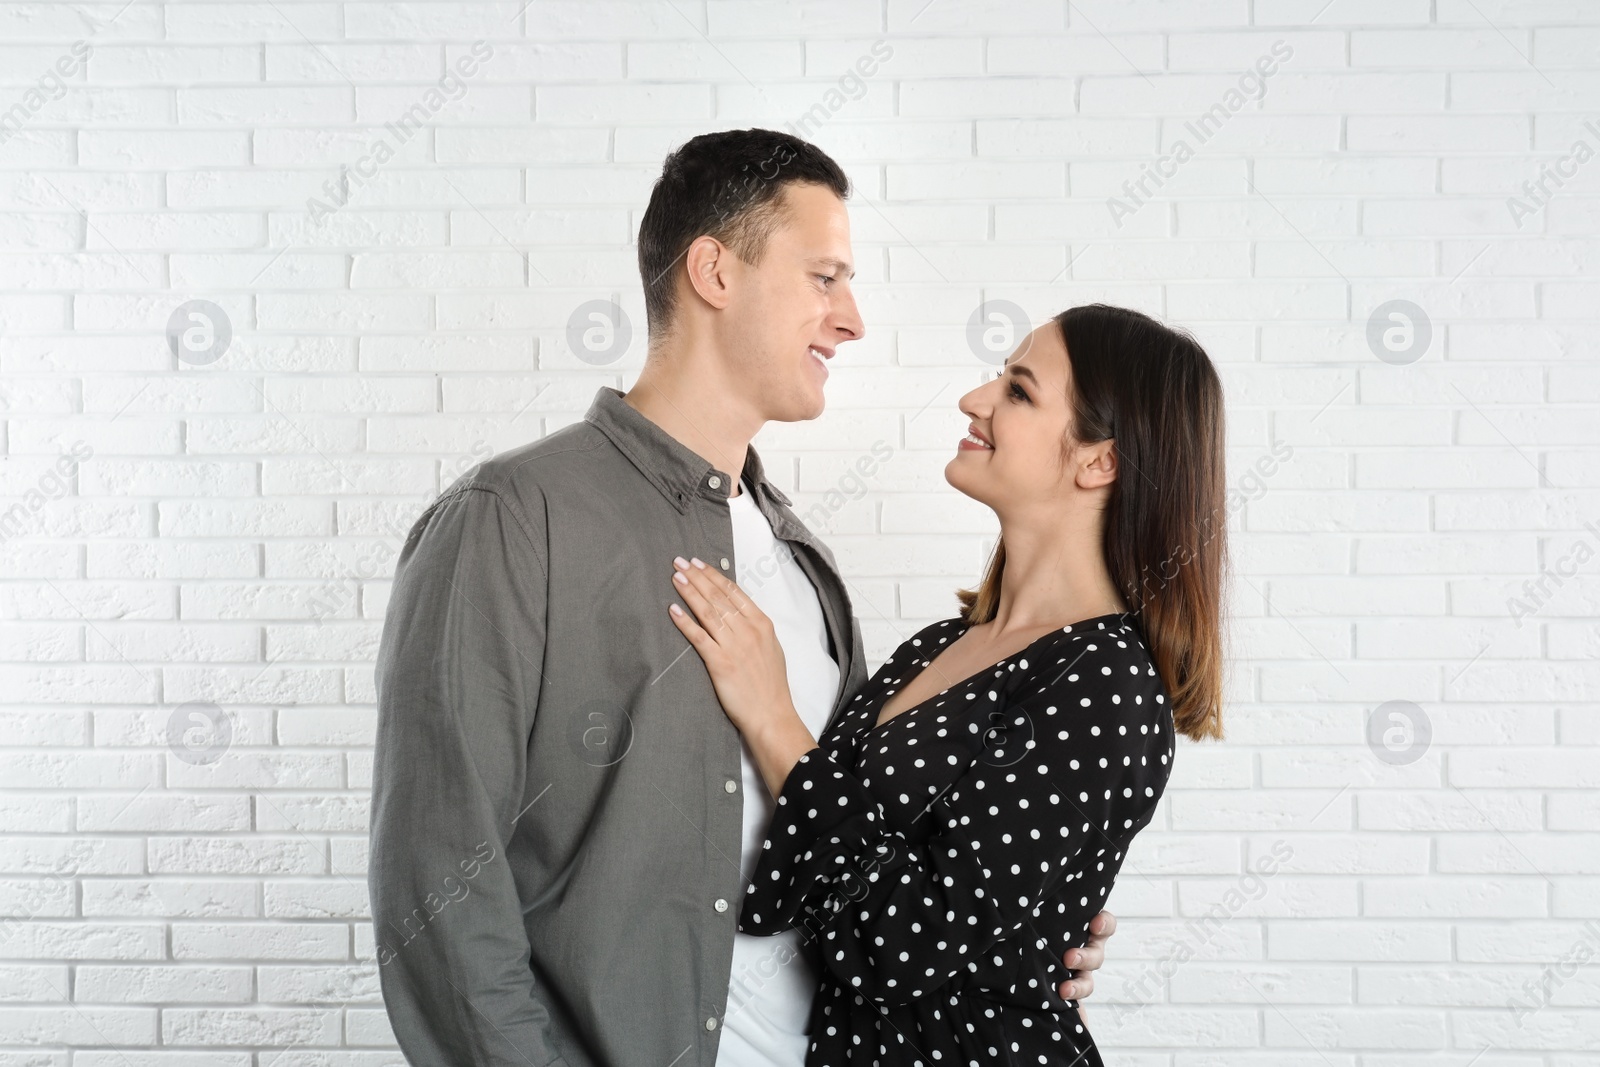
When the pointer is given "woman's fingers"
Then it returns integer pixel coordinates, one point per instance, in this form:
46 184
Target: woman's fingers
729 622
690 629
1088 959
693 594
710 603
715 591
727 586
720 586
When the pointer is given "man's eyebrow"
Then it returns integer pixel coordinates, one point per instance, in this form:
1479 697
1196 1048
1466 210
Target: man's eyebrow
838 265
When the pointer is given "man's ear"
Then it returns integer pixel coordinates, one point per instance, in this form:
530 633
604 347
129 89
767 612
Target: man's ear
708 262
1097 464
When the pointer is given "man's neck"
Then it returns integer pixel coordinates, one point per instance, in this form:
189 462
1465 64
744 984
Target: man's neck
701 420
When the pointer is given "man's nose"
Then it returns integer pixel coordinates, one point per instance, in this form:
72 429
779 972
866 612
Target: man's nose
847 318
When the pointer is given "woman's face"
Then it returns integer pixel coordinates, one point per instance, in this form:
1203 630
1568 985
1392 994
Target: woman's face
1022 418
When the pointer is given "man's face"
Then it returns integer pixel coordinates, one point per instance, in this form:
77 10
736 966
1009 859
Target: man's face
793 309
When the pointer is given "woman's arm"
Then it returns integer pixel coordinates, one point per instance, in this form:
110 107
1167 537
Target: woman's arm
740 648
746 664
896 920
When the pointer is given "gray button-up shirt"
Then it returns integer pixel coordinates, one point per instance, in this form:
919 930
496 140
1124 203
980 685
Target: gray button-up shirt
556 799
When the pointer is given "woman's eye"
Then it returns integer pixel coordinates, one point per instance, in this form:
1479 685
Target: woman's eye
1016 390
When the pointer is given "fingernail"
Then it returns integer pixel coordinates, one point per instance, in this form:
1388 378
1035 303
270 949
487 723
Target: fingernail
1073 958
675 609
697 563
679 561
680 577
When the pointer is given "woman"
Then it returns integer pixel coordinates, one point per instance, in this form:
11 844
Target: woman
958 827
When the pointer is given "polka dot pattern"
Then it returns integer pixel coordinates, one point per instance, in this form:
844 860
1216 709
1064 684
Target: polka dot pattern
941 863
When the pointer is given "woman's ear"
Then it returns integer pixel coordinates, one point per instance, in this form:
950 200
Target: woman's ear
1097 464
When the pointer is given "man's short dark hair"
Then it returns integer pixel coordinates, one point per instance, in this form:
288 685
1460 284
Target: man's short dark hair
726 185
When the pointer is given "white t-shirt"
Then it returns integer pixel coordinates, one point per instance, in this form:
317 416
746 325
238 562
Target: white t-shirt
772 984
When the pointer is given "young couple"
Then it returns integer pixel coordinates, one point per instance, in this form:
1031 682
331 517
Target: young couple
631 810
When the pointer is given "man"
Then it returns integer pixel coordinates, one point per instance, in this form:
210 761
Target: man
561 831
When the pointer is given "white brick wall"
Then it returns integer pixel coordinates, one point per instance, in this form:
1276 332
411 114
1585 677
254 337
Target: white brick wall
222 533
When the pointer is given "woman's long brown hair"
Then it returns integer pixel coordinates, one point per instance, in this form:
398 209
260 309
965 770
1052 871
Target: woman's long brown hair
1153 391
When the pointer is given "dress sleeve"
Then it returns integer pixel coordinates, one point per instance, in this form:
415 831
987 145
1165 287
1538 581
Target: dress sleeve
894 920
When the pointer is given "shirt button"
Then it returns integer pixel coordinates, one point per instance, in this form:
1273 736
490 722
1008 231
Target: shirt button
721 905
730 786
714 482
724 562
711 1023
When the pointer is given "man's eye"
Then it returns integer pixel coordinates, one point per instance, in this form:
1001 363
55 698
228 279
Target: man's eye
826 277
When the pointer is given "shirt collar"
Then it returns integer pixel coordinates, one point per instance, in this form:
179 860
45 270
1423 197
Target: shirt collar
677 471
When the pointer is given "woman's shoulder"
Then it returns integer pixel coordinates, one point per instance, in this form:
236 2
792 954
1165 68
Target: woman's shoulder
1101 658
1116 636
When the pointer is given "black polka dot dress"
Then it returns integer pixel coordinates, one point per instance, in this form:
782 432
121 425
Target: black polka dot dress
939 865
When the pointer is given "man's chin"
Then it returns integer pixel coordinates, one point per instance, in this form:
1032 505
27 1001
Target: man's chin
803 407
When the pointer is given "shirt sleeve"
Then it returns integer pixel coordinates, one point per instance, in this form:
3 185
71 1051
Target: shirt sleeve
895 921
458 679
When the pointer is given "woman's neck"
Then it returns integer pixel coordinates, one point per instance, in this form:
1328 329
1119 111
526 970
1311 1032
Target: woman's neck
1055 574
